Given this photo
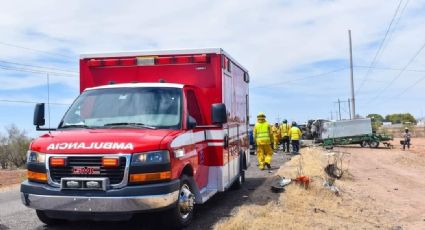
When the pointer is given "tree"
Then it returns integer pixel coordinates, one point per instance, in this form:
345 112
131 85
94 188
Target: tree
4 161
400 118
376 121
17 145
375 117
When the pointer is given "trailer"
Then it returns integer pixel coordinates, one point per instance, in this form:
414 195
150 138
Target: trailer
349 132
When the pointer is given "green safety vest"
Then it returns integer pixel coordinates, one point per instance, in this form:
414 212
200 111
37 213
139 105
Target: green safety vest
262 133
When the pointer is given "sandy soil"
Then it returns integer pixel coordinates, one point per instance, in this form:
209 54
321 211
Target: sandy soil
382 189
11 177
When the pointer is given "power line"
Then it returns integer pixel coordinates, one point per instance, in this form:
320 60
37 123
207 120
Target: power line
37 50
375 58
409 87
28 70
299 79
390 68
37 66
400 73
30 102
398 20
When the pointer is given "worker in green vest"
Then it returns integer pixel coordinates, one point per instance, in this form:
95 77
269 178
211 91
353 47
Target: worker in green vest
263 138
295 135
284 134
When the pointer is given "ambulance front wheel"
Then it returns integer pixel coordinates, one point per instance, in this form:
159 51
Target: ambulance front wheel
181 215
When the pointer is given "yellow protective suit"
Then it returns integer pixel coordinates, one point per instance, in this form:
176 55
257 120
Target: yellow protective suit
262 136
276 137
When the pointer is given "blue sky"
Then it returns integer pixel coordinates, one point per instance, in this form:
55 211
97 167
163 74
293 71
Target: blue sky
296 51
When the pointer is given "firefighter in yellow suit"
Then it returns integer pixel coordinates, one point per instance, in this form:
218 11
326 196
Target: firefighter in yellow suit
284 134
263 138
295 134
276 136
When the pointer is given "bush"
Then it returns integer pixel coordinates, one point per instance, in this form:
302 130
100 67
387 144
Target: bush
13 147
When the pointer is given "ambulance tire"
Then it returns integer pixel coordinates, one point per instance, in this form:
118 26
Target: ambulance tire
177 218
237 184
48 220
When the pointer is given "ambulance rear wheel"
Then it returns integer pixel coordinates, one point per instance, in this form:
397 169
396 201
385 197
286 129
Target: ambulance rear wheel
181 215
48 220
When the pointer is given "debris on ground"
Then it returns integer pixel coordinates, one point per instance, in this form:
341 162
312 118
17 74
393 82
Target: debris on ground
303 180
279 183
329 184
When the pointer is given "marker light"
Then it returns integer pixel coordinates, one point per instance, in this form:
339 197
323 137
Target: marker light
149 60
144 177
57 161
36 176
110 162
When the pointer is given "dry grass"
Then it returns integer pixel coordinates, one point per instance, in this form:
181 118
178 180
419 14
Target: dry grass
12 177
315 208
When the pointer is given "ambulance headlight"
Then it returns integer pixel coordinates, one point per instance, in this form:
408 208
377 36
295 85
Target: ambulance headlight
155 157
36 157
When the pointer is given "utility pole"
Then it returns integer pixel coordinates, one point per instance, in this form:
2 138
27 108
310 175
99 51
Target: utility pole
48 97
332 115
353 104
278 118
339 109
349 108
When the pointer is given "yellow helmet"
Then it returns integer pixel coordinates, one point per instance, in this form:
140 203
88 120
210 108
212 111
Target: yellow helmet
261 115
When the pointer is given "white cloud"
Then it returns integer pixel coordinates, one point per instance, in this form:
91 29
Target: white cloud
276 40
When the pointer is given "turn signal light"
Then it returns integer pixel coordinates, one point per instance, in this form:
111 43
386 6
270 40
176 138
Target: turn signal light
36 176
144 177
57 161
110 162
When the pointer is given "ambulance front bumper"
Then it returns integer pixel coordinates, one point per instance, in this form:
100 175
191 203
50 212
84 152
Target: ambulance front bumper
128 199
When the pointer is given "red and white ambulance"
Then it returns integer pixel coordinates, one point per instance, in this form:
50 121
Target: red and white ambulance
150 131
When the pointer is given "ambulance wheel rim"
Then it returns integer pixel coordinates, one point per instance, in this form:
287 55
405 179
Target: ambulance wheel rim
186 201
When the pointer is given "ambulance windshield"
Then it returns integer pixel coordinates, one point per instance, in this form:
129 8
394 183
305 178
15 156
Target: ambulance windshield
143 107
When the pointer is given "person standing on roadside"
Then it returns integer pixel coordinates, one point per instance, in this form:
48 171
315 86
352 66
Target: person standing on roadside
407 137
263 138
284 134
276 135
295 135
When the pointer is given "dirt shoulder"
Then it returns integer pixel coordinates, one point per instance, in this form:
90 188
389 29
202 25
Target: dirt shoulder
382 189
10 178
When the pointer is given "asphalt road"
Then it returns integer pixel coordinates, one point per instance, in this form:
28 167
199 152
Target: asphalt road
14 215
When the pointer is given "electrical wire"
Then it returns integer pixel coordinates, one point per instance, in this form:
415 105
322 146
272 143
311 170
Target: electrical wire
30 102
37 50
411 86
37 66
380 49
28 70
298 79
399 74
390 68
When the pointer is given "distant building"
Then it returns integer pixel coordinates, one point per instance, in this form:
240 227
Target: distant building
387 123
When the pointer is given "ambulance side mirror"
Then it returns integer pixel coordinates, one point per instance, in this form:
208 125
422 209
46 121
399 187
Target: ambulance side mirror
191 122
39 119
218 113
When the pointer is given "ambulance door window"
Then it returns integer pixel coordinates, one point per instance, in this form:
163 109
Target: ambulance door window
193 107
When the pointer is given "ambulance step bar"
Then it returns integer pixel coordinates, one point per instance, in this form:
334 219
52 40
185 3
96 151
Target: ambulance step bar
207 193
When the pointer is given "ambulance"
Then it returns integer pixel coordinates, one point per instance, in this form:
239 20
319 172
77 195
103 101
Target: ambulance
158 131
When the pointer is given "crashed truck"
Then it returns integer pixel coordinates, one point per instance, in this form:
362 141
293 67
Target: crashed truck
349 132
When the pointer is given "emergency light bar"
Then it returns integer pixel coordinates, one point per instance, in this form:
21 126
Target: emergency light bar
150 60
